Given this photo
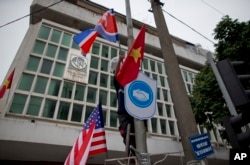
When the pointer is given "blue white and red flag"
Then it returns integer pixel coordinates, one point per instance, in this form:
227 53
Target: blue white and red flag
106 27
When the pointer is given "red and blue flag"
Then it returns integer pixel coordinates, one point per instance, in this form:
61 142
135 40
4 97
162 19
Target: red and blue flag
106 27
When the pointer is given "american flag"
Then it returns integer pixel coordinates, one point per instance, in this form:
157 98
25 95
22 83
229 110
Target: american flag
91 140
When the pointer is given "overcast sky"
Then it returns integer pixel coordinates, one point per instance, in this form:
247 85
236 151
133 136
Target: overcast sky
200 15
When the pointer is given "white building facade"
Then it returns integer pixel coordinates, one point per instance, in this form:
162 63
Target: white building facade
55 88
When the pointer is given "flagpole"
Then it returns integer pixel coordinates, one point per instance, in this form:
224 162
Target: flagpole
140 130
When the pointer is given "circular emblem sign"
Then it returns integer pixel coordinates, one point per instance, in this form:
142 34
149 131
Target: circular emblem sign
140 97
140 94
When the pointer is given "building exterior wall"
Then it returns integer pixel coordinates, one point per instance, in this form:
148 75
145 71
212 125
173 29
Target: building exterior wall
43 113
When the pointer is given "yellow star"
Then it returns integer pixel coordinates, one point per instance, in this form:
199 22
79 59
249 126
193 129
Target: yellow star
136 53
6 83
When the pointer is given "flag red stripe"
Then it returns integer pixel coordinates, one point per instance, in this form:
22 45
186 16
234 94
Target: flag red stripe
98 142
94 152
99 134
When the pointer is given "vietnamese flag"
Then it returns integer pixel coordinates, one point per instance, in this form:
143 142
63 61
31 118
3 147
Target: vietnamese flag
7 84
130 68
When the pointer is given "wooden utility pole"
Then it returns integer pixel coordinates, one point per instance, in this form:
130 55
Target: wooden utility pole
183 110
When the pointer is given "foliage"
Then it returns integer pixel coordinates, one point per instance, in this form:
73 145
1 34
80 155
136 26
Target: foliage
233 43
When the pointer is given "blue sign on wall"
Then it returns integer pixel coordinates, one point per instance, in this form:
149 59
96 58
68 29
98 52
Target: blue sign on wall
201 146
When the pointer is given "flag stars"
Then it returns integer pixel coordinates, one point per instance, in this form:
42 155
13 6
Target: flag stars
136 53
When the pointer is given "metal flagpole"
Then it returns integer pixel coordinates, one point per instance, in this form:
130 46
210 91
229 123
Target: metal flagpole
140 130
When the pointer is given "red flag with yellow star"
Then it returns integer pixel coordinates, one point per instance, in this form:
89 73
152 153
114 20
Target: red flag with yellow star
7 84
130 68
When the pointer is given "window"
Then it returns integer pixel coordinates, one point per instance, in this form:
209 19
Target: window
104 65
34 106
168 110
94 62
105 51
51 50
66 39
152 65
44 32
49 108
46 66
145 63
56 34
26 82
39 47
91 96
67 90
79 93
63 54
160 109
59 70
88 112
154 125
41 84
96 48
171 127
103 97
113 100
159 65
33 63
163 126
77 113
113 52
93 77
18 103
104 80
113 119
54 87
63 111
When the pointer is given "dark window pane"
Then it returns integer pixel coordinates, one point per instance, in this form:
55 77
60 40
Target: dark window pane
163 126
33 63
113 100
96 48
34 106
75 46
56 34
41 84
18 103
104 65
39 47
79 93
59 70
165 94
49 108
113 52
160 109
46 66
113 119
104 80
51 50
93 78
159 65
67 90
63 53
145 63
44 32
77 113
88 112
66 39
105 51
154 125
168 109
91 96
103 97
26 82
152 64
171 127
63 111
94 62
54 87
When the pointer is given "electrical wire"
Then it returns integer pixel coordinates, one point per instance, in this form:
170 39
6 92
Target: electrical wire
213 8
188 26
37 11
